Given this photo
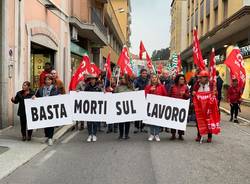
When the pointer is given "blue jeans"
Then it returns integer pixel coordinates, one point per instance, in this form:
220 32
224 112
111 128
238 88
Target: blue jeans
154 130
92 127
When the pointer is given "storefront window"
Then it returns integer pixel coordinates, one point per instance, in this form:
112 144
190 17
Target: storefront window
39 56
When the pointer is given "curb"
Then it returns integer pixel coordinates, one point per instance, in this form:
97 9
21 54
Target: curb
240 118
62 131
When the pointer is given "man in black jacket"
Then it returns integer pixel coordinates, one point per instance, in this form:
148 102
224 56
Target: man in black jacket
219 83
139 84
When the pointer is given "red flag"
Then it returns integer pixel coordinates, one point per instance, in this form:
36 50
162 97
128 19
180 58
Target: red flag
149 61
179 67
159 68
124 62
108 67
212 68
207 113
235 63
197 55
142 50
84 68
94 70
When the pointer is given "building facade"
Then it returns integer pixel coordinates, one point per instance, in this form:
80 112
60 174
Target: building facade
56 31
178 26
117 19
221 24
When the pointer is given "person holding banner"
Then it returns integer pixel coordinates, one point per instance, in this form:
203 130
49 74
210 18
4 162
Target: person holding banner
92 126
48 90
155 87
234 98
139 84
25 93
203 85
179 90
110 88
124 86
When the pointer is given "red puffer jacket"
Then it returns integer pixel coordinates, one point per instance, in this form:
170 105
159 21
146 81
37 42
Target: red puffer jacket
181 92
234 94
156 90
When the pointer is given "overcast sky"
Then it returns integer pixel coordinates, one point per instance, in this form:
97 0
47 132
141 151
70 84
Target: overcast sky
151 24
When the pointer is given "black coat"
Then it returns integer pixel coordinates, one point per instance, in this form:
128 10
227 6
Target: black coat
219 83
54 91
19 98
167 82
94 88
141 83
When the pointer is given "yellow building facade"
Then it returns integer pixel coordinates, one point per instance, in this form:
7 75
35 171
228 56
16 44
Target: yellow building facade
178 26
117 19
220 24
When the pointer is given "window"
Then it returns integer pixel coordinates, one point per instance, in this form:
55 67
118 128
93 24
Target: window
207 7
225 9
216 17
202 26
196 18
215 4
192 22
202 11
208 23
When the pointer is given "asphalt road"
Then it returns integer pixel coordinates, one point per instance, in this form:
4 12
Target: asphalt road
137 161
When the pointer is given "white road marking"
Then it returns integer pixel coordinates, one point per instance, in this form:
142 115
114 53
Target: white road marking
67 139
46 157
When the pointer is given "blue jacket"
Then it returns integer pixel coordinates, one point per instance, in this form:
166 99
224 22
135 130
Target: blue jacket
141 83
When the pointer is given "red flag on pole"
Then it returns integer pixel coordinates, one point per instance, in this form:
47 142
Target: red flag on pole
212 68
124 62
159 68
179 67
197 55
84 68
235 63
149 61
142 50
94 70
108 68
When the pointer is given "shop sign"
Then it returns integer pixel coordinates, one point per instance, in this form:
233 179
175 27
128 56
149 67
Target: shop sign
245 51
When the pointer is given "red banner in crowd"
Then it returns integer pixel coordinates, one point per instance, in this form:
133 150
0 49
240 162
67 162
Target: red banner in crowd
207 113
84 68
124 63
236 64
197 55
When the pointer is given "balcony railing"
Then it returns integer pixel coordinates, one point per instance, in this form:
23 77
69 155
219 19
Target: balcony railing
95 19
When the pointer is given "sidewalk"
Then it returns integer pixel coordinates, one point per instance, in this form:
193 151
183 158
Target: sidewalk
14 152
244 115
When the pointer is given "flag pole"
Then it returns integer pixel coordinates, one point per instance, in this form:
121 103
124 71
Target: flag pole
119 72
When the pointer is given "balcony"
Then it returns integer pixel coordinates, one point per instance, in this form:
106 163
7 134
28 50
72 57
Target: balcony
95 19
90 26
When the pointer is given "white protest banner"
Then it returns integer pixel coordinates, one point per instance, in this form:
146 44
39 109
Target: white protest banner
167 112
48 111
89 106
127 106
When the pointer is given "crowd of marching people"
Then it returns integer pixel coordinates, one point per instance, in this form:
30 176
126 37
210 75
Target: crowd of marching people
162 84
